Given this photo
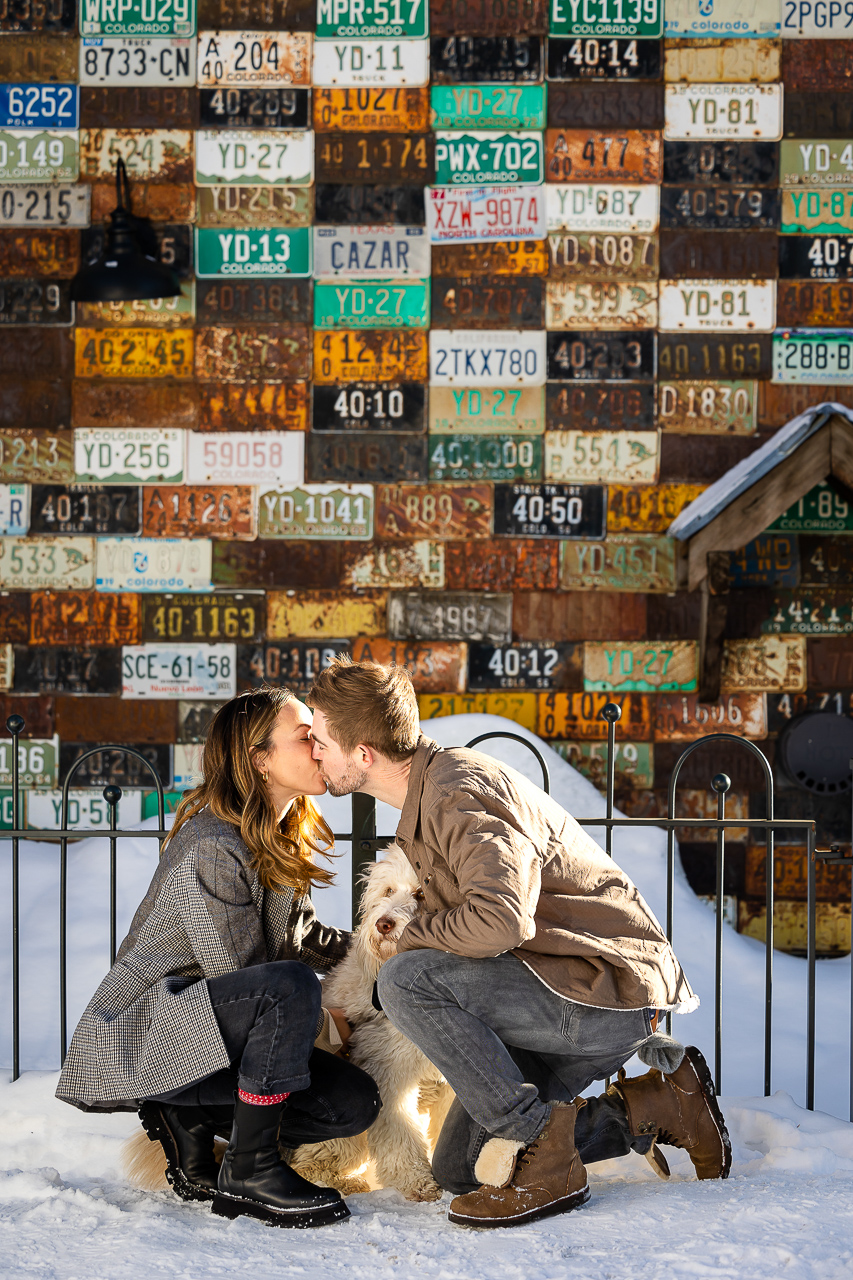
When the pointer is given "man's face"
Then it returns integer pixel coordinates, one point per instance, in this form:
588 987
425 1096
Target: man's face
343 774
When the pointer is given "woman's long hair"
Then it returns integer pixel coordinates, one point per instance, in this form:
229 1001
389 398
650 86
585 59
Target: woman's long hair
234 790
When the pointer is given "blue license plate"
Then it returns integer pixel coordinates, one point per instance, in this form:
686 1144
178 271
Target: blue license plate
39 106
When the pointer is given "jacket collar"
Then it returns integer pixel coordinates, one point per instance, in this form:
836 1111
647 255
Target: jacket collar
408 824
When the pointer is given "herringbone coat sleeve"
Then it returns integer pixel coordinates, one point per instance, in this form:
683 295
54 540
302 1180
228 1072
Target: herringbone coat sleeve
221 907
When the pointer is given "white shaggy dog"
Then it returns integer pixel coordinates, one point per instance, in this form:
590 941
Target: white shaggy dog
415 1096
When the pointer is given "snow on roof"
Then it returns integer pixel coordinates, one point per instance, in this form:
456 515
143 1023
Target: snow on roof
741 477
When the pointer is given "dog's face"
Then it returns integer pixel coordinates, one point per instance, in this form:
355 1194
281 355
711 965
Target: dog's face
392 897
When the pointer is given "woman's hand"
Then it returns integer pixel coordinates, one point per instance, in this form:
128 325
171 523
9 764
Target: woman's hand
343 1027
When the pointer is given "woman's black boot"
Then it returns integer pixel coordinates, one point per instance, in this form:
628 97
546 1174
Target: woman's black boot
254 1180
187 1135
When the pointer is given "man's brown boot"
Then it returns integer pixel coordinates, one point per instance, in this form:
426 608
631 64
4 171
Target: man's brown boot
543 1178
680 1110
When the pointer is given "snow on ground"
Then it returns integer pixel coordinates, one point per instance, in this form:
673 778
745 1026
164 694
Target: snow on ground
66 1213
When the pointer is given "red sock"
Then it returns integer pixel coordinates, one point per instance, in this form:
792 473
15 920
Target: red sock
261 1099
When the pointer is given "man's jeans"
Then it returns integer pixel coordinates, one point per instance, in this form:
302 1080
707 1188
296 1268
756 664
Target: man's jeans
267 1016
508 1046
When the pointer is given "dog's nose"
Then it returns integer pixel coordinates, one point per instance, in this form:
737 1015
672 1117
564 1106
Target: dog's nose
384 925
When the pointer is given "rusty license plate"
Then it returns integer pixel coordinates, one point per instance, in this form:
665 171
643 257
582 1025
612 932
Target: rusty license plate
647 509
486 410
708 407
723 61
816 113
601 304
817 64
396 158
213 617
258 107
32 455
153 155
255 58
619 405
45 402
254 301
151 107
488 17
84 509
450 615
739 164
270 206
481 457
372 355
378 457
468 59
231 354
773 664
649 668
237 15
437 666
722 355
253 406
498 258
813 303
602 457
39 253
79 618
35 302
524 665
484 302
394 564
36 57
520 707
67 670
619 105
369 204
610 257
162 202
58 17
133 353
620 58
578 716
361 406
168 313
371 108
684 718
35 350
295 664
316 512
198 511
134 404
114 766
36 563
316 615
585 155
718 255
503 564
623 562
720 208
434 511
604 356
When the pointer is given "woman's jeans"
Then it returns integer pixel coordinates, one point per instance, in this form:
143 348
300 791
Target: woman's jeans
268 1016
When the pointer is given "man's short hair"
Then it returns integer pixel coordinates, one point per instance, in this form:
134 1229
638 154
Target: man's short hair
370 703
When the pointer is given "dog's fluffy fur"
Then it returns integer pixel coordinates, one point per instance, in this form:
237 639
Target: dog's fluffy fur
415 1096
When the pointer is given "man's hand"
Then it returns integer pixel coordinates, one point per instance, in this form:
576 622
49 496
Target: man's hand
343 1027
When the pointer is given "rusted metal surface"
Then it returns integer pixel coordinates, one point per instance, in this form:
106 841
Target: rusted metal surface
773 664
134 353
601 304
36 57
397 158
597 356
449 615
825 65
15 608
613 257
40 252
817 114
393 565
587 155
375 204
486 302
578 716
606 106
770 560
720 208
750 164
168 313
276 563
825 561
317 614
622 406
682 463
296 663
36 455
152 155
602 457
35 350
45 404
488 17
112 720
253 406
129 404
464 59
434 511
778 403
251 15
791 865
501 258
254 301
790 926
723 61
438 666
379 457
813 303
579 615
623 562
519 707
35 301
683 718
57 17
217 617
85 618
49 670
371 109
138 107
525 666
38 713
272 353
641 508
503 564
830 663
693 803
174 246
708 407
198 511
714 355
370 355
7 666
270 206
718 255
162 202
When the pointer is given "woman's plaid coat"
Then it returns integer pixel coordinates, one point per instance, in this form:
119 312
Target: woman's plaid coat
150 1028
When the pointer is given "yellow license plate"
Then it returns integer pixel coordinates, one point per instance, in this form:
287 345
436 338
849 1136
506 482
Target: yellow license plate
372 355
133 353
520 707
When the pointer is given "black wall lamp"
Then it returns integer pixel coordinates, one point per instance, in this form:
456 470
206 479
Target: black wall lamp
127 267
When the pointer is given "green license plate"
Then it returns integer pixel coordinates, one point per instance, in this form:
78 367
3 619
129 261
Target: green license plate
392 304
38 762
824 509
477 159
634 761
818 613
317 511
813 356
472 457
253 251
138 18
607 18
39 155
360 18
822 210
488 106
820 162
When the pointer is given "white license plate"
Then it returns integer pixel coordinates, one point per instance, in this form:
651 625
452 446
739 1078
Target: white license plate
486 213
739 306
722 18
813 356
87 810
602 457
362 253
812 20
601 304
154 564
130 455
29 564
147 153
254 156
14 509
349 63
487 357
602 206
179 671
117 61
270 58
45 205
722 111
252 457
186 765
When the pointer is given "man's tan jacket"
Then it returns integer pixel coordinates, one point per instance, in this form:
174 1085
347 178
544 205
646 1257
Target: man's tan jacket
504 868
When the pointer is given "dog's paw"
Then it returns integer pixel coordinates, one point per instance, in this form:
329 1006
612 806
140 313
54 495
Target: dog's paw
423 1189
352 1186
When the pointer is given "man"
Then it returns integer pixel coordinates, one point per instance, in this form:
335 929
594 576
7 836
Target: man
534 968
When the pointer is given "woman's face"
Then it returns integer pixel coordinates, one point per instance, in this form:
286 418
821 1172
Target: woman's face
292 770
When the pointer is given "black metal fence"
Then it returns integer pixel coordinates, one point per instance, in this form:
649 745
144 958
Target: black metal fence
365 843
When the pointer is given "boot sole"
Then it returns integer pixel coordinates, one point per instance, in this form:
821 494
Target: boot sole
152 1121
574 1201
703 1075
227 1206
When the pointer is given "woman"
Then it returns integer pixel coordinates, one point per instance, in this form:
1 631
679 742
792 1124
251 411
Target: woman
213 991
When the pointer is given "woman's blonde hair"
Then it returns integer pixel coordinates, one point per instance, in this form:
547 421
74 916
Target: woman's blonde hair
234 790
